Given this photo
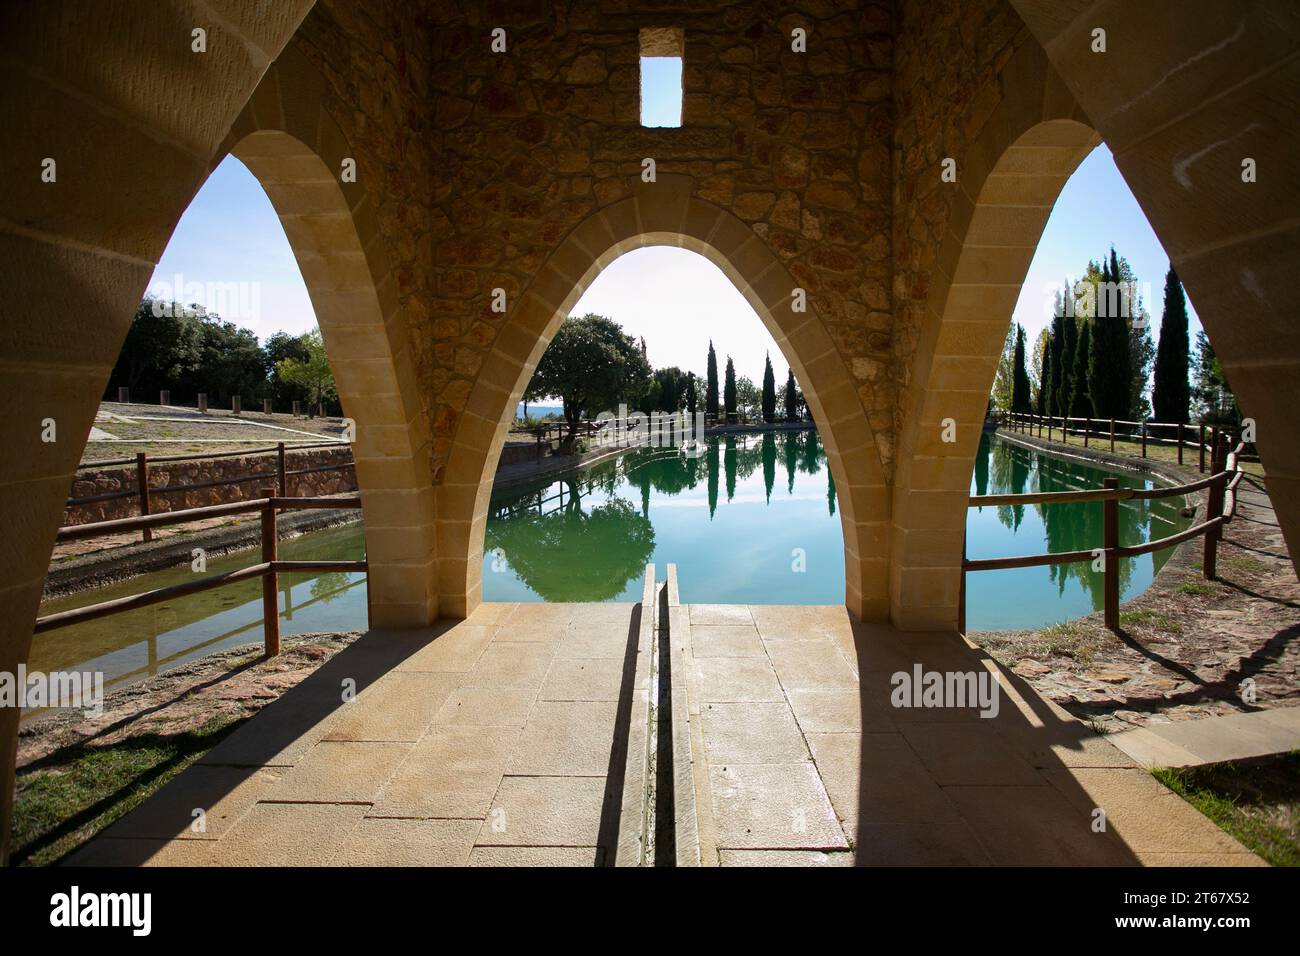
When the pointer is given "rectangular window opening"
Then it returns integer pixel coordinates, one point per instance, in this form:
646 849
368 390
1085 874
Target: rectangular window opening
662 51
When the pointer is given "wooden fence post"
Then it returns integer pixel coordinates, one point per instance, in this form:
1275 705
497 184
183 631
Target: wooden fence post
282 476
1200 441
142 488
1110 541
1144 438
1087 427
1213 509
1180 443
270 582
1112 436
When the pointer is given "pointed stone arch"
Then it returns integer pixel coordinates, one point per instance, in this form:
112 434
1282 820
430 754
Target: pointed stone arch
289 141
1008 182
664 213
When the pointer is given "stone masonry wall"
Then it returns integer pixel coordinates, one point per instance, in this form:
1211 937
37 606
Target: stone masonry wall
161 476
949 57
484 161
525 145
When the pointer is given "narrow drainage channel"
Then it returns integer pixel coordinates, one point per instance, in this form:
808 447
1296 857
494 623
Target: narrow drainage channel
665 813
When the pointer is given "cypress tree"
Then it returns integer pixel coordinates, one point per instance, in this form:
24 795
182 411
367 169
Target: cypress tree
1170 394
1045 386
791 398
1058 340
711 384
769 392
1080 397
1020 375
1108 361
1065 391
690 393
729 390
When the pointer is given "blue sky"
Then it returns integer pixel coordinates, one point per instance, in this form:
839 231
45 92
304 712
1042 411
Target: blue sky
661 91
1094 211
673 298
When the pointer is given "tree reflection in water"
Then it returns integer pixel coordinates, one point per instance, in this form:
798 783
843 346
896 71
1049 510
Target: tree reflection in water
1074 526
565 550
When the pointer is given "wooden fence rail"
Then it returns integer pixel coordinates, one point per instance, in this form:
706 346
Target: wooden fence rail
1184 437
268 569
1221 504
145 494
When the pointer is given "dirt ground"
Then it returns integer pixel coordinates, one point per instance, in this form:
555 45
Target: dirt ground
175 430
233 684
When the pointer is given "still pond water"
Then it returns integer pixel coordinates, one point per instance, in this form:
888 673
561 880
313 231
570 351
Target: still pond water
753 520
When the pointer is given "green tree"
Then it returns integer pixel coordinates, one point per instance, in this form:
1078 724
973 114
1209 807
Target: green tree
1000 399
729 390
1109 380
1170 394
1215 403
692 399
1080 400
591 365
161 347
278 348
1064 303
1069 344
1039 366
711 384
230 362
1020 391
749 398
314 375
769 392
791 397
670 395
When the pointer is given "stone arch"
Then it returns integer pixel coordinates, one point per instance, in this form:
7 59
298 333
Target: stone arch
289 141
664 213
132 146
1008 182
1180 118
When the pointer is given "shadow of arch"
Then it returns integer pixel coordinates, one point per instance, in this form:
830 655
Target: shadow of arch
296 150
1008 182
664 213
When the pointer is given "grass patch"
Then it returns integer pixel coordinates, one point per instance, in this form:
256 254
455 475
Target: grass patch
1069 639
72 794
1149 618
1258 802
1246 565
1195 587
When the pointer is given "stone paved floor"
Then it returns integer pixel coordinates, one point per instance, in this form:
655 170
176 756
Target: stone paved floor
500 740
800 758
505 739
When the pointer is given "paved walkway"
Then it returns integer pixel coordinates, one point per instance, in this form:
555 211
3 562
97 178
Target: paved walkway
1190 743
805 762
523 737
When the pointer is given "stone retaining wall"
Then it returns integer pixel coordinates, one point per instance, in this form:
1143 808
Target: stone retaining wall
170 474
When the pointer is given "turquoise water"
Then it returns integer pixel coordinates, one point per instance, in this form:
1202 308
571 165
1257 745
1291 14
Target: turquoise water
753 520
1034 597
136 644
